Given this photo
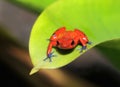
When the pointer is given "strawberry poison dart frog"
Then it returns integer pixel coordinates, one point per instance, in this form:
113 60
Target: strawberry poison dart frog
66 40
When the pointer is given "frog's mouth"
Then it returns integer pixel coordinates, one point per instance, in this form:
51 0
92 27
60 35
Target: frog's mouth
66 47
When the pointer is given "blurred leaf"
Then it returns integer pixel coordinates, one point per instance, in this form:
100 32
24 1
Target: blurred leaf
111 49
99 19
36 5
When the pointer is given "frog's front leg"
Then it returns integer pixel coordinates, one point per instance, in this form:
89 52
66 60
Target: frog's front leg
49 51
49 56
84 45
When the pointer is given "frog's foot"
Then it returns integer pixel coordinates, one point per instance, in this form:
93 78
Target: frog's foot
83 48
89 42
49 56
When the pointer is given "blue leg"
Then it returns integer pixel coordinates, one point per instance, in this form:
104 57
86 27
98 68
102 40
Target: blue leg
83 48
49 56
89 43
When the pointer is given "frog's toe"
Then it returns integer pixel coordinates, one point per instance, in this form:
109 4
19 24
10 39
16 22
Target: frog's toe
83 48
89 43
49 56
45 59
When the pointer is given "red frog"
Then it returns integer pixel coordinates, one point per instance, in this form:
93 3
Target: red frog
66 40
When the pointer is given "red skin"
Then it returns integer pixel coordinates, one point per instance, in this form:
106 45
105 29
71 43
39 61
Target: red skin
67 39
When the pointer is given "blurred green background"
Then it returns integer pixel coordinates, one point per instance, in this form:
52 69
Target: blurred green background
90 70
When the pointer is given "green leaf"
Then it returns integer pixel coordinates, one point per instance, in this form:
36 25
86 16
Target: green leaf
98 19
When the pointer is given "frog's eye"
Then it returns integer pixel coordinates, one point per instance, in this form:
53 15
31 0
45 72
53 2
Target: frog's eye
72 43
58 43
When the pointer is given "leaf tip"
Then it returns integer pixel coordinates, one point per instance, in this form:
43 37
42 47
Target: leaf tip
34 70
